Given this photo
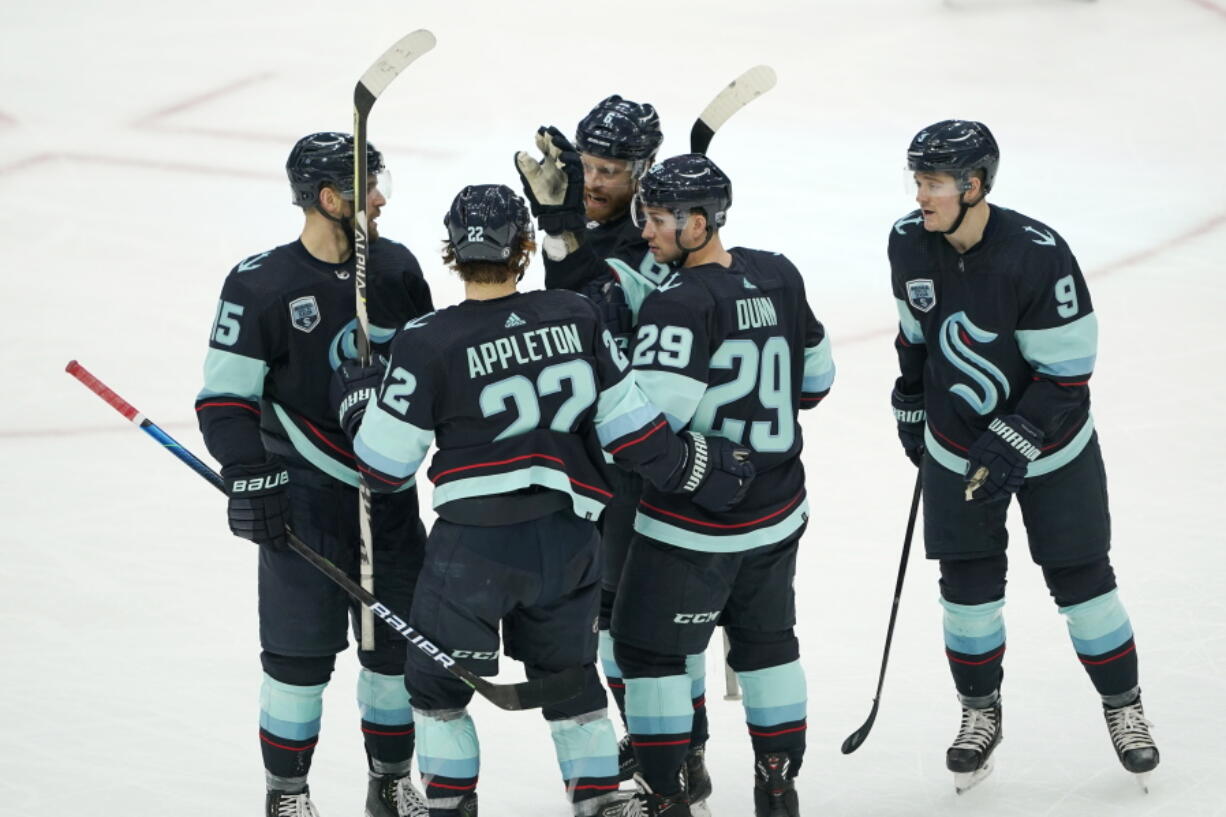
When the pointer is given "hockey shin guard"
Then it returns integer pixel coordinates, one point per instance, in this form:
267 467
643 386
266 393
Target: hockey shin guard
289 728
659 714
387 722
587 756
1102 636
696 669
612 674
448 756
975 646
775 700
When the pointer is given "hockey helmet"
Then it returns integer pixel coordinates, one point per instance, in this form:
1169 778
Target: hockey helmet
958 147
620 129
683 183
485 223
327 159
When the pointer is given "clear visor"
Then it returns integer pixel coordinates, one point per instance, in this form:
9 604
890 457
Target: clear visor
661 218
380 183
600 172
931 185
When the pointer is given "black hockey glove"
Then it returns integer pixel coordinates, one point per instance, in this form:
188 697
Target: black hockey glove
997 461
353 386
610 299
258 508
909 415
554 185
716 473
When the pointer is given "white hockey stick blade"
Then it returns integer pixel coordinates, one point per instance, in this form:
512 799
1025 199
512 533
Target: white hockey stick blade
385 69
739 93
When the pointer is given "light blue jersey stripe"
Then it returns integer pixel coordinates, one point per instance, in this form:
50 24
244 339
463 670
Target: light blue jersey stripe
226 373
621 409
383 699
907 323
1043 465
1098 621
290 730
974 629
583 507
731 543
1066 350
696 671
774 695
676 395
659 706
381 334
389 444
459 768
819 367
303 445
638 284
447 746
607 662
1104 644
585 749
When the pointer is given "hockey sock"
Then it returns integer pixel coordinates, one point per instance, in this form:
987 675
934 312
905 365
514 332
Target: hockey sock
387 722
696 669
775 700
289 727
659 714
587 755
448 756
975 646
1102 636
612 675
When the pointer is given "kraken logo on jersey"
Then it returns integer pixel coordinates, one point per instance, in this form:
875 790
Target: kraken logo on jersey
922 294
304 313
973 365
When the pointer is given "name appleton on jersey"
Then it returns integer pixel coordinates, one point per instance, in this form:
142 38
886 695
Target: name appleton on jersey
548 341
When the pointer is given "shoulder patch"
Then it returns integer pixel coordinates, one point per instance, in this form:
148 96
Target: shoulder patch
921 294
1044 238
900 225
672 282
248 264
304 313
418 322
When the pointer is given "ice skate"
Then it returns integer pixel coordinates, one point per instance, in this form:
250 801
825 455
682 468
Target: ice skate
284 804
774 791
698 781
646 803
970 756
1129 730
390 796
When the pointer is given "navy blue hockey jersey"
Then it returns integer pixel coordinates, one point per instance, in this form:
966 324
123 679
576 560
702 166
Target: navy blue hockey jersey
518 392
1006 328
284 323
734 353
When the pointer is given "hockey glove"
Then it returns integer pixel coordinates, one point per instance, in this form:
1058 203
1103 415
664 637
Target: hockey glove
909 415
353 387
997 461
716 473
258 508
610 299
554 185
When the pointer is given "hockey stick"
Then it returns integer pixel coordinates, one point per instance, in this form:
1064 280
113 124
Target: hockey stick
739 93
853 741
531 694
369 87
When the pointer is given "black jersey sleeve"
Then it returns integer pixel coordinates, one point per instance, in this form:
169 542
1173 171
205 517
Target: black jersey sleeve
575 271
1057 334
396 293
909 341
819 362
240 348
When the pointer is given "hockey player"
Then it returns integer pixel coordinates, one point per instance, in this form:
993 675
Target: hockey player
286 319
996 344
727 346
520 391
582 200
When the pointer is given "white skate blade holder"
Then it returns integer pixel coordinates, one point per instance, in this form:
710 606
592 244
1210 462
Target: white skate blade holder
700 809
1142 779
965 781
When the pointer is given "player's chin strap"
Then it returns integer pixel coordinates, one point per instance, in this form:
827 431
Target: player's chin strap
685 251
963 211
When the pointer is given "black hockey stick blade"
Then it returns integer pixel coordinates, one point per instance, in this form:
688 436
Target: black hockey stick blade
385 69
739 93
853 741
531 694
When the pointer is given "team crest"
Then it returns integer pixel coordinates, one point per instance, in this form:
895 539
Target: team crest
921 294
304 313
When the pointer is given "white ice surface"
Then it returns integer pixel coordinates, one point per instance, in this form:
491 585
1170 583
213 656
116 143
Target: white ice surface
142 146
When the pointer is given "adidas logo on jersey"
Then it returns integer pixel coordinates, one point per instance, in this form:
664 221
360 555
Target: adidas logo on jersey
514 320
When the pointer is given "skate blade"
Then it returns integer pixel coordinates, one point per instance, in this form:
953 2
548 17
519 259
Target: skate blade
965 781
700 809
1143 781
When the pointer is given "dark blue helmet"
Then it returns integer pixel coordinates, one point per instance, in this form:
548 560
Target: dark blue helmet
326 159
485 223
688 182
620 129
956 146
